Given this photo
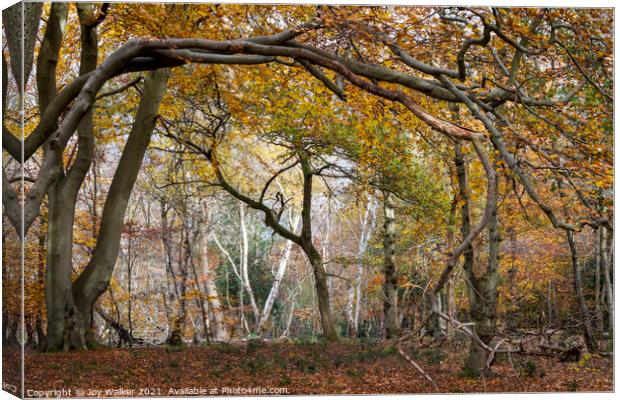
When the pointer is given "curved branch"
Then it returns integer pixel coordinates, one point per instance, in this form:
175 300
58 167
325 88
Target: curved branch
481 41
484 219
496 138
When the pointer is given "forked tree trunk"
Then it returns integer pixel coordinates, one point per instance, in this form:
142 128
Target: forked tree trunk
66 325
482 289
314 257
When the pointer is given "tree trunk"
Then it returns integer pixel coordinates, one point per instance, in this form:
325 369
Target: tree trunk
354 303
390 285
320 277
607 273
129 294
450 296
215 307
176 335
13 328
64 326
304 240
322 292
200 302
166 233
95 278
600 251
244 265
581 301
482 290
277 280
450 304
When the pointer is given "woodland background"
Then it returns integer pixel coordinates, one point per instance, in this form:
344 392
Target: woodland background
402 190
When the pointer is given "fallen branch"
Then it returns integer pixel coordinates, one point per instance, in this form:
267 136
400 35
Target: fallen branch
416 366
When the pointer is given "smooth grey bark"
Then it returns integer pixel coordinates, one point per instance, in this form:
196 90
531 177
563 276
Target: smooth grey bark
95 278
322 292
46 69
41 238
65 324
48 54
390 272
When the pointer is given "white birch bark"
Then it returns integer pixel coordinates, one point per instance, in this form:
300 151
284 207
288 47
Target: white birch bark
244 265
275 287
367 225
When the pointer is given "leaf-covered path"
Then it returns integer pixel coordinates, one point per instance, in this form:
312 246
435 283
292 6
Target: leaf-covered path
290 368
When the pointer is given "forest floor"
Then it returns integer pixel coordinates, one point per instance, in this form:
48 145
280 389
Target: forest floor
295 368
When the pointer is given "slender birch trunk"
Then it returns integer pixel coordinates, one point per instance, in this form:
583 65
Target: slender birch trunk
244 268
367 224
275 287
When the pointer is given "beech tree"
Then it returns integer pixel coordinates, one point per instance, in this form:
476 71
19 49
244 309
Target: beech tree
533 87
